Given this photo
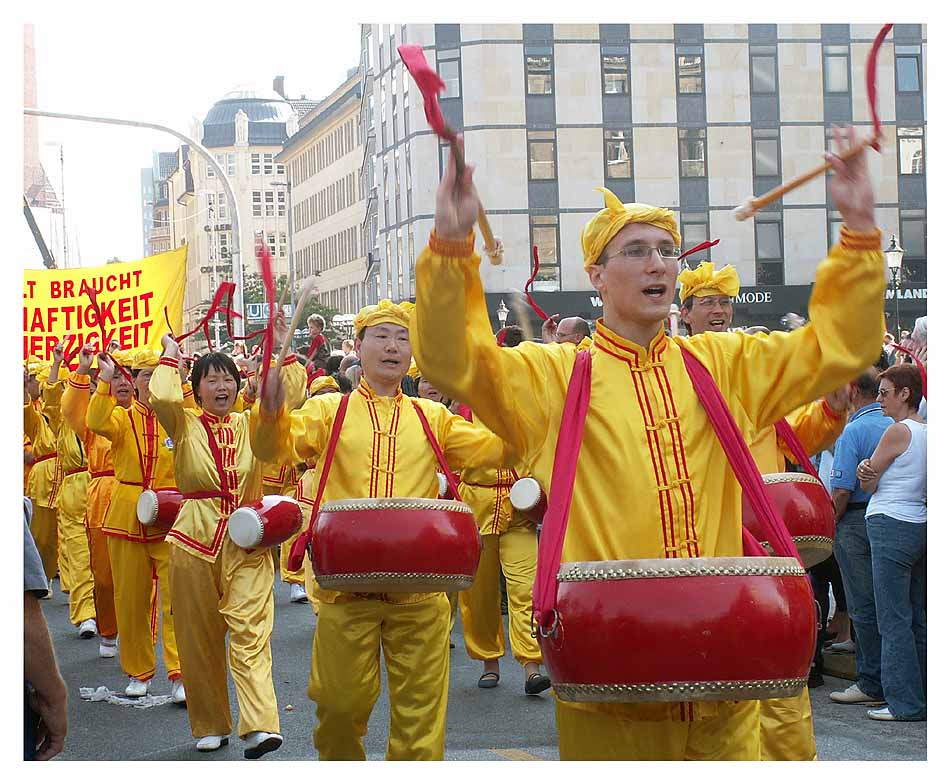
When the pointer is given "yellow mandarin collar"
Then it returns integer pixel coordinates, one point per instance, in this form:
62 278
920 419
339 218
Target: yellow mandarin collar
213 419
369 392
609 341
144 410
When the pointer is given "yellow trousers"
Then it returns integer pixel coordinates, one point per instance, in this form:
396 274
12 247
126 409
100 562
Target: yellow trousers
453 608
345 676
310 584
593 735
786 729
224 615
44 528
515 552
103 590
133 565
294 578
75 570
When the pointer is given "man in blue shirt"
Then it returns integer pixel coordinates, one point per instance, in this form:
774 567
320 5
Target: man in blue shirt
852 550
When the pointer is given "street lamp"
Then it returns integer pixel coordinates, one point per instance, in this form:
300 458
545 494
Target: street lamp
894 255
290 235
503 314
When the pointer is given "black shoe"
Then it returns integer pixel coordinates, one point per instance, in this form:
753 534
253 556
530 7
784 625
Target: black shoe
815 680
537 683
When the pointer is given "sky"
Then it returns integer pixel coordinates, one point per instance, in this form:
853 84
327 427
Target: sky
166 69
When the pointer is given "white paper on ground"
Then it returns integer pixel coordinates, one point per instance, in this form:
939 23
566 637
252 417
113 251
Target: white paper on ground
105 694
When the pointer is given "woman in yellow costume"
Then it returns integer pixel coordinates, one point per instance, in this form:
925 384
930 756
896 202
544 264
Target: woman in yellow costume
383 451
652 480
220 590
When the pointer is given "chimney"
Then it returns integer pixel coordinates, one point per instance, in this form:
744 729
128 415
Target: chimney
279 86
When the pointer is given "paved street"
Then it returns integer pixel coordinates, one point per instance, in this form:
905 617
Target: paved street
498 724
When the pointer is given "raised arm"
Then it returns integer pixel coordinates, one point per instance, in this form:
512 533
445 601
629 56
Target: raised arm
104 416
164 390
514 391
76 395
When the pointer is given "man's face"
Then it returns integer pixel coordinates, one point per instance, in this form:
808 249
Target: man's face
384 353
121 388
637 290
712 313
565 332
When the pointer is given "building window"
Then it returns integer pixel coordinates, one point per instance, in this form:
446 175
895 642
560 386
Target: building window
222 207
282 244
764 70
769 268
689 69
765 147
910 144
224 244
907 61
255 163
279 169
272 243
913 237
615 69
692 152
281 204
449 65
618 149
268 204
232 164
544 231
257 200
837 69
695 229
268 163
541 155
539 69
399 261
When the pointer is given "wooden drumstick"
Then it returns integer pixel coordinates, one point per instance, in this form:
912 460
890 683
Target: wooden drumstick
753 205
493 247
305 290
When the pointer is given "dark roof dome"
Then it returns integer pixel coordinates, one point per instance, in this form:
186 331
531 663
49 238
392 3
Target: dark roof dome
267 114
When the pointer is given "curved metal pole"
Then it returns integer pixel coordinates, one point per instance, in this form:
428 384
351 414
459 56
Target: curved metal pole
237 269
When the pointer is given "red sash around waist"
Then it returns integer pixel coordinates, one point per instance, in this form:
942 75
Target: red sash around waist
201 494
98 474
41 458
72 471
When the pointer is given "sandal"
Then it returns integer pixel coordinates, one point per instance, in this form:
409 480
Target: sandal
536 683
488 680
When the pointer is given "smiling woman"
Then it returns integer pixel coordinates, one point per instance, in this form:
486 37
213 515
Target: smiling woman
215 380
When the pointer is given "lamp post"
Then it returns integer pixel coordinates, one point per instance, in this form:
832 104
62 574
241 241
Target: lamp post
502 314
290 236
894 255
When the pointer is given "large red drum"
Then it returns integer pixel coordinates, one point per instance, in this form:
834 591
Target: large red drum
692 629
528 498
803 503
158 507
395 545
270 521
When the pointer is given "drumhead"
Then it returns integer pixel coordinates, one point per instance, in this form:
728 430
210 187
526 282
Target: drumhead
146 508
443 484
245 527
525 494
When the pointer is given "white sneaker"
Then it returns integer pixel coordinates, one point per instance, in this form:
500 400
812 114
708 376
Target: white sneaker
257 744
848 646
178 692
108 646
211 742
137 688
297 594
881 714
88 628
853 696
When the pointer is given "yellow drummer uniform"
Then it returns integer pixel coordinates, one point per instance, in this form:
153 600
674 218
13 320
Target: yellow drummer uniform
142 454
218 588
509 544
786 728
41 425
72 482
652 478
382 452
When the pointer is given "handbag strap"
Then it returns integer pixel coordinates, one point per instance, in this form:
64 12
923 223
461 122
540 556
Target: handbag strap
302 542
795 446
439 454
739 457
554 525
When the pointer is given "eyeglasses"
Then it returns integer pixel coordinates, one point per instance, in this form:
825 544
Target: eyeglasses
709 302
884 392
640 252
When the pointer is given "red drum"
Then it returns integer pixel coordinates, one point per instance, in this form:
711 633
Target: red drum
528 498
803 503
692 629
158 507
270 521
395 545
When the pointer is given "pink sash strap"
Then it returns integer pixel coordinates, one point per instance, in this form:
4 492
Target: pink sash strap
796 447
439 454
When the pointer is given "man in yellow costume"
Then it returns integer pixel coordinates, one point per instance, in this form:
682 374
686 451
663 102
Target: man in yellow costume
652 480
382 451
142 454
706 304
219 588
101 485
40 426
72 482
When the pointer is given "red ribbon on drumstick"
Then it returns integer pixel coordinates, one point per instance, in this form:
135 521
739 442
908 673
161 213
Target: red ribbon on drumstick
698 248
430 84
534 273
103 345
753 204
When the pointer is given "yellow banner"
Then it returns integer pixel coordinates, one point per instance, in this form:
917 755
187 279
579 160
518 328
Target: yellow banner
132 297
